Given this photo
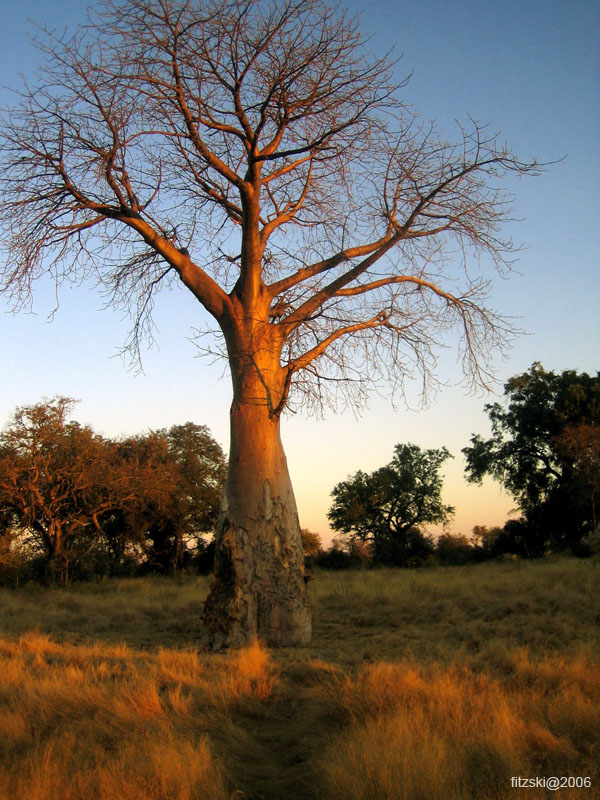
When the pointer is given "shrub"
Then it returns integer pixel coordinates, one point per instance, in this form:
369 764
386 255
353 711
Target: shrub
454 549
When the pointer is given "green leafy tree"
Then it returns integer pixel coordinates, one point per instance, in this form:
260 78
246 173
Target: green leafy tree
386 507
188 468
543 449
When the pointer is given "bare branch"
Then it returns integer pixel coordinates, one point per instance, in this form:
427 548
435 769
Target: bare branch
330 229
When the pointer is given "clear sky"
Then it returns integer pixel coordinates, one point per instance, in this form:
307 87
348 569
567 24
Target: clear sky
531 70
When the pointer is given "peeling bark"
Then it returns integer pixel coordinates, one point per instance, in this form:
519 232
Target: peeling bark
259 587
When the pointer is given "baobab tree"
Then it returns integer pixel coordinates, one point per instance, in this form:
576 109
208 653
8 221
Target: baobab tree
257 154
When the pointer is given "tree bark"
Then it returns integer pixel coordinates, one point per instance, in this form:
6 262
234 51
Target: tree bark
259 587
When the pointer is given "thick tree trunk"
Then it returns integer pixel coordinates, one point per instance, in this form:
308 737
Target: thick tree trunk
259 587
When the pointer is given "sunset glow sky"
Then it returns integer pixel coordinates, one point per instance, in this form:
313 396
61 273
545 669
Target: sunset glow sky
528 68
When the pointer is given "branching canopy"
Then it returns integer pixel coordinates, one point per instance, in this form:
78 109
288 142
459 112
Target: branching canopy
257 153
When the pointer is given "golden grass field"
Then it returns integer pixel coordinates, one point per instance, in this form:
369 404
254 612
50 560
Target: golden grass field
436 684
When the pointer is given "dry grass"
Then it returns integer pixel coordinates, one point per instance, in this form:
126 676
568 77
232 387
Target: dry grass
456 734
115 724
96 722
437 685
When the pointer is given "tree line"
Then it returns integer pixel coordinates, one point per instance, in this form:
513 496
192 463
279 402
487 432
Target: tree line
544 449
75 504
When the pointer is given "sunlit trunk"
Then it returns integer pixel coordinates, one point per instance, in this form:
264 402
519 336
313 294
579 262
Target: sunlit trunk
259 587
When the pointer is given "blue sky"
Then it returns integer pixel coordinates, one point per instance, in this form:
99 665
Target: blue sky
531 71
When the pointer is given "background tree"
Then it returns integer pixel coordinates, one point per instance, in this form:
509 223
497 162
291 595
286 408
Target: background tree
520 537
580 444
453 549
255 153
345 553
57 479
386 507
189 469
74 497
543 450
484 542
312 543
480 535
203 469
